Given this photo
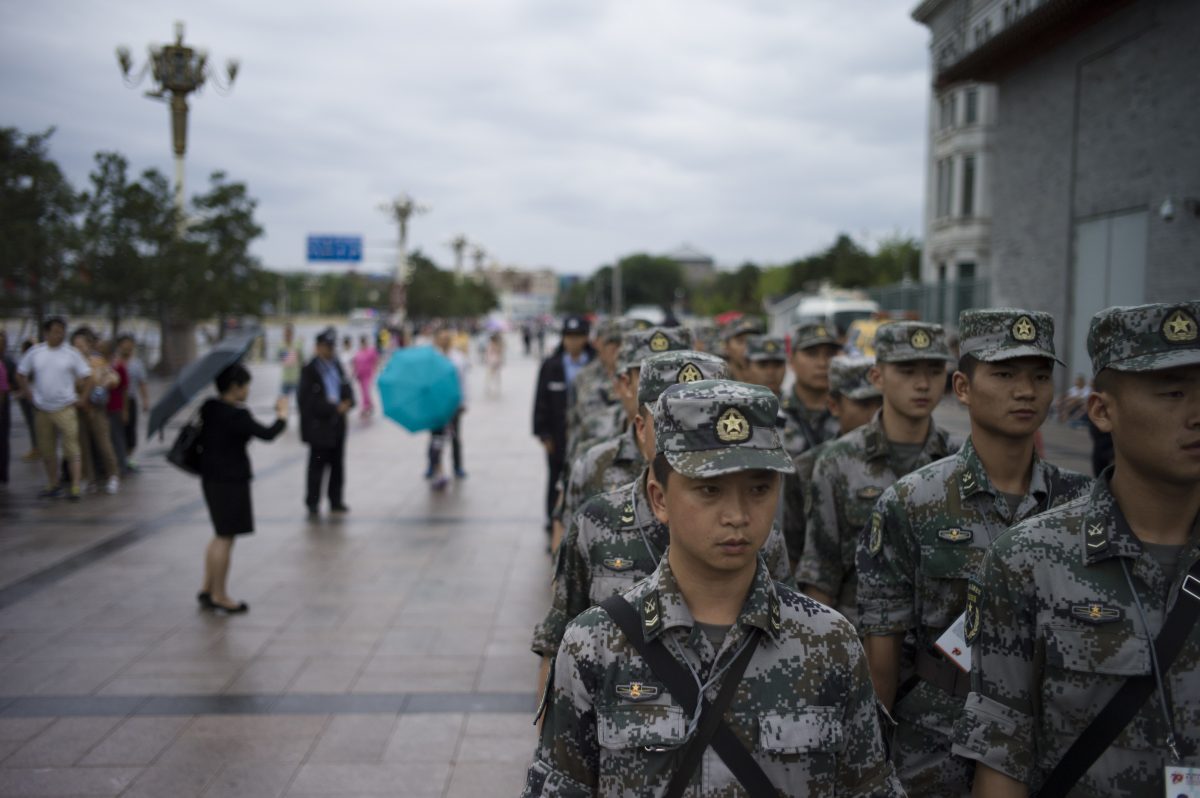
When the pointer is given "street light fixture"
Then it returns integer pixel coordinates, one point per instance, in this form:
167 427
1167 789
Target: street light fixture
177 70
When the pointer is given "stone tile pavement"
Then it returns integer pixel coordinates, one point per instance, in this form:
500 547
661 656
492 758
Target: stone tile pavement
386 652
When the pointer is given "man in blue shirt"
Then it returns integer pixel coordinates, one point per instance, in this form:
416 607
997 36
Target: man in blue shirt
325 396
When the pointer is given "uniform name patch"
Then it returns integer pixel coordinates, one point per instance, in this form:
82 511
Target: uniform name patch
618 563
638 691
1096 613
955 535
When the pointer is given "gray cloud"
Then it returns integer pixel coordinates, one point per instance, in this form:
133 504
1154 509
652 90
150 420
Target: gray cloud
554 133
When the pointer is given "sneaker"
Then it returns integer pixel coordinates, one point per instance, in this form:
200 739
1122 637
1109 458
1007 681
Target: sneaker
112 486
55 492
460 474
76 494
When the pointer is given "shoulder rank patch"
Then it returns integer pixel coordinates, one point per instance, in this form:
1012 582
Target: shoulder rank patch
875 541
638 691
870 492
1096 613
775 612
627 513
618 563
651 619
1096 538
971 625
955 535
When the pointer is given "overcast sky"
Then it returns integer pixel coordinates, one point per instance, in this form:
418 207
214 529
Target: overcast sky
560 133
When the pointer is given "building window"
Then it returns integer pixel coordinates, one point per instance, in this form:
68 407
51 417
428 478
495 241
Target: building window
945 186
965 288
972 109
947 111
968 186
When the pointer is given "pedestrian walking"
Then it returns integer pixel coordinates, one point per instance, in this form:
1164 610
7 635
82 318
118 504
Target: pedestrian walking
100 469
493 358
930 530
291 355
116 405
59 375
364 365
636 702
225 475
8 387
325 397
136 395
444 341
1083 620
553 399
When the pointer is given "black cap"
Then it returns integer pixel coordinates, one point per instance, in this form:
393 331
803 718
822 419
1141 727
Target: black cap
575 325
327 336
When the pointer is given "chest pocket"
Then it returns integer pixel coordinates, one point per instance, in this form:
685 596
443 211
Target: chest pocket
640 725
615 570
1111 650
946 567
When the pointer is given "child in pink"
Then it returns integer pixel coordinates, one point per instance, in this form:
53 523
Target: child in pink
366 359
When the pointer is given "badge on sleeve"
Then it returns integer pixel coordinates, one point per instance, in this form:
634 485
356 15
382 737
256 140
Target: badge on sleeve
875 539
971 622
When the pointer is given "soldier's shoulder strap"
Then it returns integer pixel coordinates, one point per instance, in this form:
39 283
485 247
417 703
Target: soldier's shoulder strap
1122 707
712 729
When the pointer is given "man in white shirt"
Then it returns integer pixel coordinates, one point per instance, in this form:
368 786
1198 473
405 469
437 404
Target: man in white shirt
57 378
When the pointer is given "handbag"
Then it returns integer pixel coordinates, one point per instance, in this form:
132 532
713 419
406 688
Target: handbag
188 448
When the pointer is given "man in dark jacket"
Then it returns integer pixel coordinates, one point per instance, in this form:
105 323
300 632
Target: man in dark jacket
553 399
324 396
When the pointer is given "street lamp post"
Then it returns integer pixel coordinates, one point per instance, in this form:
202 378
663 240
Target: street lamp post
178 70
401 210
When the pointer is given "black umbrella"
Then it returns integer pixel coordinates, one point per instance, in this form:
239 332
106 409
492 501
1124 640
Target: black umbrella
198 375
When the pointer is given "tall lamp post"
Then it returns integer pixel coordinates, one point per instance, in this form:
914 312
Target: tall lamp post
177 70
401 210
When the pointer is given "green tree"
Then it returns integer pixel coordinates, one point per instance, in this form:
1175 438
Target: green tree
898 257
649 280
38 227
434 293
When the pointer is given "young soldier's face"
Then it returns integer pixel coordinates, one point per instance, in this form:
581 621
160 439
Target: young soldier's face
1154 418
811 366
643 425
852 413
718 524
735 349
627 388
608 353
767 373
911 389
1008 397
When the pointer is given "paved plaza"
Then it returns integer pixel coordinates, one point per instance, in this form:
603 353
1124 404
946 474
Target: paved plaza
386 651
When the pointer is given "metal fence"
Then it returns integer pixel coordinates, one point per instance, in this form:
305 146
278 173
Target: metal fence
936 302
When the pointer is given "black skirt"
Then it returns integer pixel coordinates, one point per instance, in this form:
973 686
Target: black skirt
229 507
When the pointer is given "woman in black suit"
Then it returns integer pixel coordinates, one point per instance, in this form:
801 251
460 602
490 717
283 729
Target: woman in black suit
225 475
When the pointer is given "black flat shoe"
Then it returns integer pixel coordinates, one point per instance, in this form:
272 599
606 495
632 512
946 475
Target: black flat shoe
242 607
339 508
205 600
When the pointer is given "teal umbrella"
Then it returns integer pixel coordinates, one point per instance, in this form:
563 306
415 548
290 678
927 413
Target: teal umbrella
419 388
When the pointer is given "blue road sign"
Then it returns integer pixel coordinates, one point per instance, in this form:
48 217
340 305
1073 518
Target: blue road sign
337 248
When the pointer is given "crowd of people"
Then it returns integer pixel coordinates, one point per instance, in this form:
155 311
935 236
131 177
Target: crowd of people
762 590
80 398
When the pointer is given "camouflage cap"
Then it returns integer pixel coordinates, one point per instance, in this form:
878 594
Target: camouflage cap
608 331
1006 333
813 333
763 348
743 326
661 371
638 345
714 427
848 377
903 341
1145 337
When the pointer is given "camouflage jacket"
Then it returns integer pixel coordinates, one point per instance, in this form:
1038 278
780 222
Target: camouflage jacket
603 466
927 536
848 478
805 708
613 541
592 392
804 429
1057 633
795 498
600 424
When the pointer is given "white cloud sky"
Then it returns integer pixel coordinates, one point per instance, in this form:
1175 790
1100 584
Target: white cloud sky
552 132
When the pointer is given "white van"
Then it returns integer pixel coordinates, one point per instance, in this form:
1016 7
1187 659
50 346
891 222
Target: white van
835 311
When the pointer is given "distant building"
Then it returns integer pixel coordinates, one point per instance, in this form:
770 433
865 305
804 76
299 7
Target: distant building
698 268
1089 167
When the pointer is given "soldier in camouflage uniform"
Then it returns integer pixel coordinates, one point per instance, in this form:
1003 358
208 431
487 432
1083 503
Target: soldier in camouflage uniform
593 387
804 708
1066 603
930 530
806 409
853 400
766 362
851 474
733 339
616 461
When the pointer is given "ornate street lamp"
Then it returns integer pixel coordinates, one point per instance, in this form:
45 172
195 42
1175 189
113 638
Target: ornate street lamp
178 70
401 210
